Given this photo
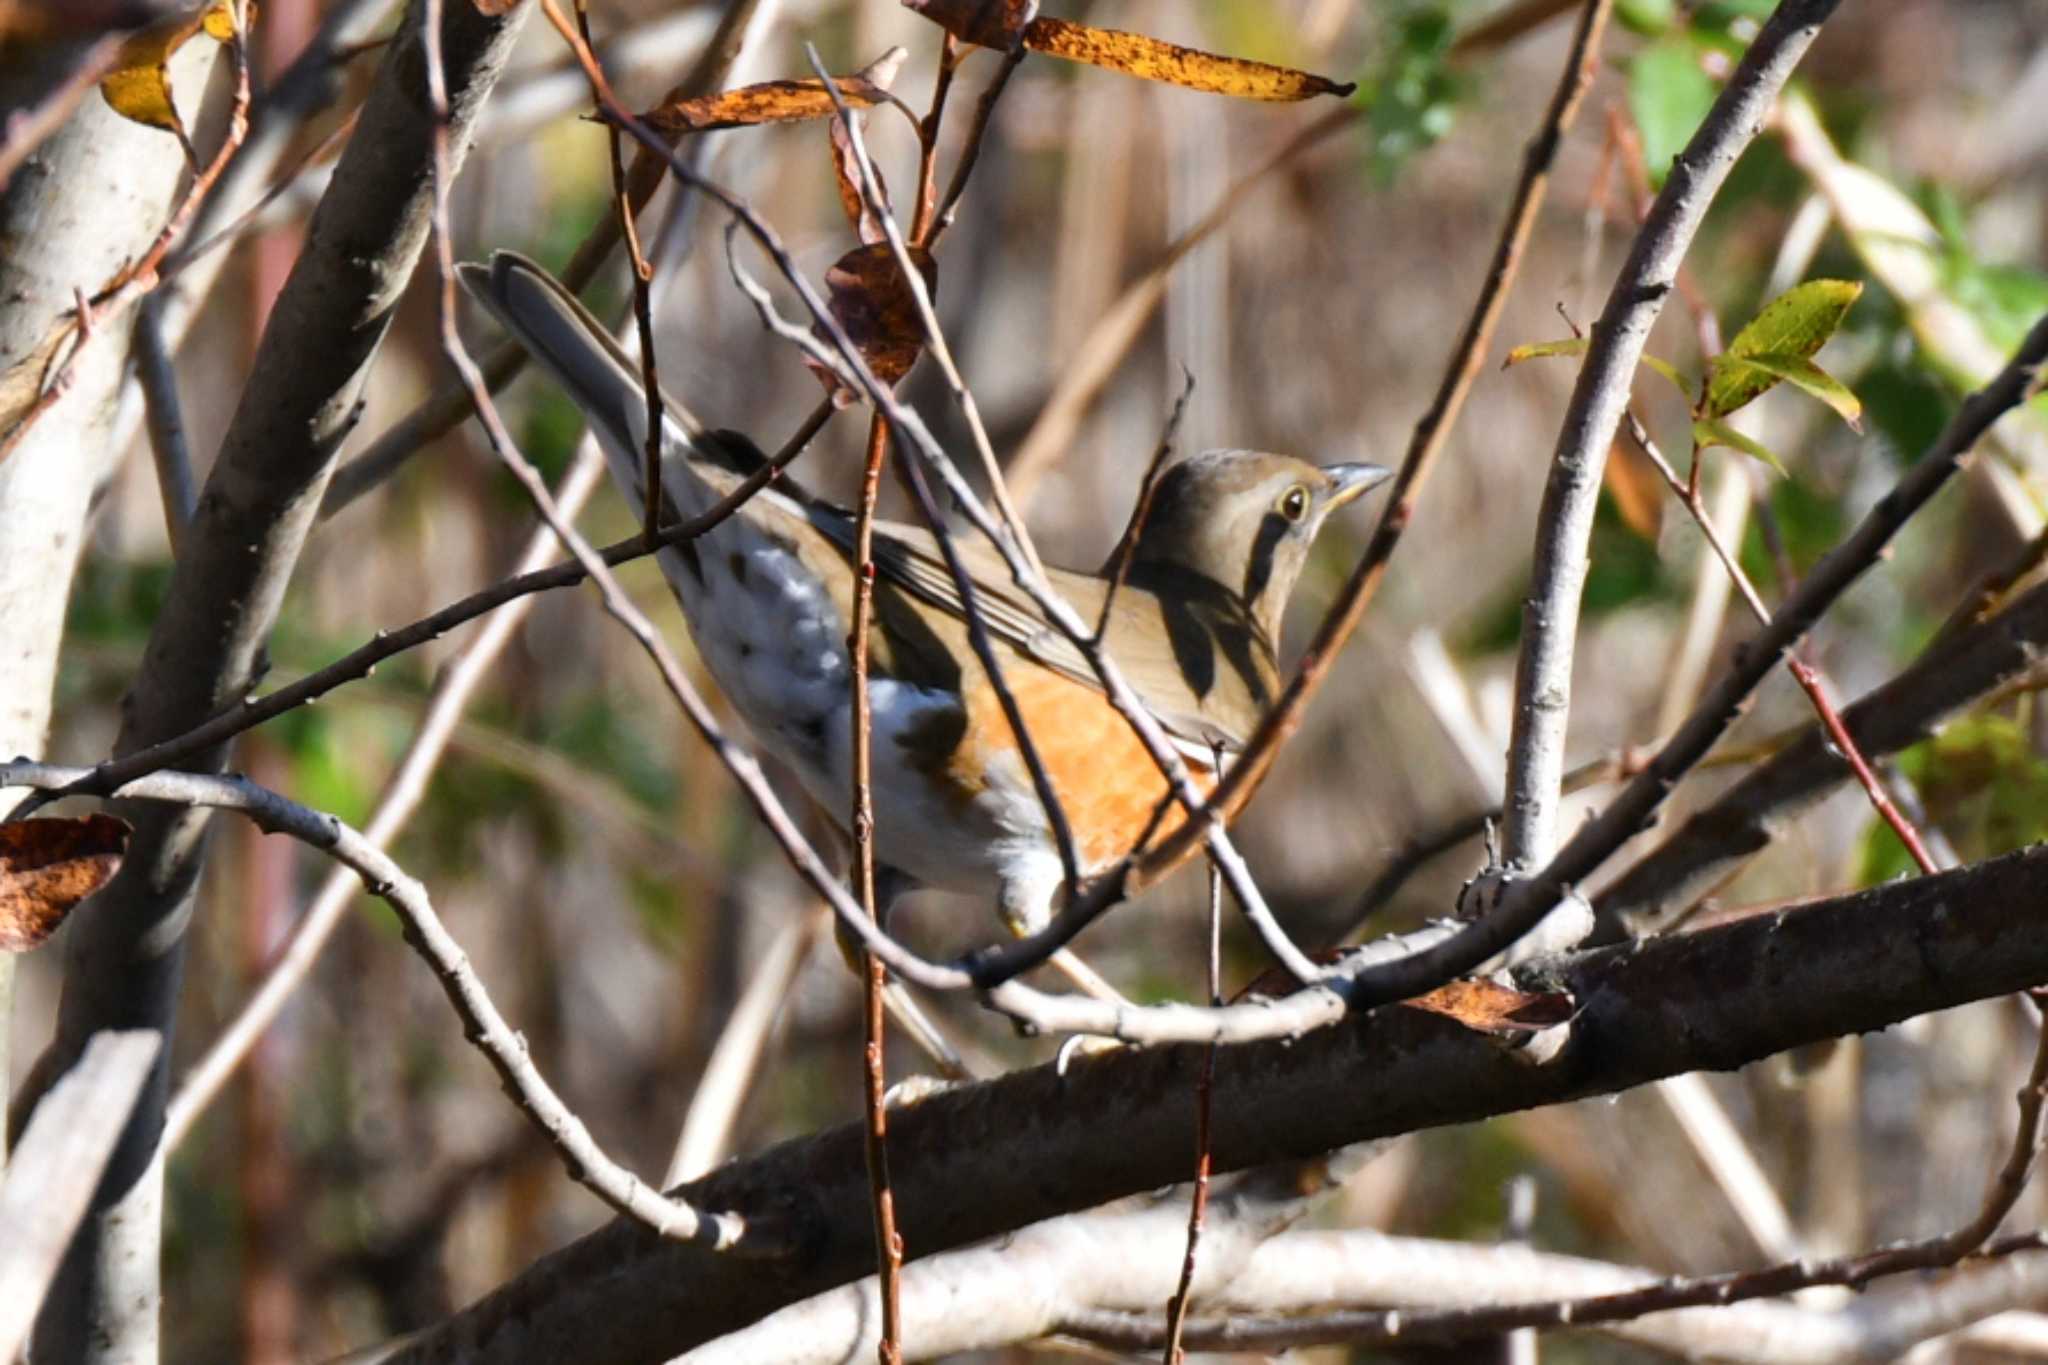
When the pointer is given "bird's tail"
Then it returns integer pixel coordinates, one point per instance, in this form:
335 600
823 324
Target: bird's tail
559 332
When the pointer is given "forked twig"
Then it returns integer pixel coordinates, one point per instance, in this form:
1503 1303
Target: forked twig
500 1043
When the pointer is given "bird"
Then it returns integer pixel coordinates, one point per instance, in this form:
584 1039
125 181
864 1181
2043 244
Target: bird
1193 625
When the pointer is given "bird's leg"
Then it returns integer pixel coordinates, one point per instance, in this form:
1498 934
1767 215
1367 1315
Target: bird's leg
1026 907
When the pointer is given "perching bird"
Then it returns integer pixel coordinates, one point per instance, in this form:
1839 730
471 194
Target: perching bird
769 597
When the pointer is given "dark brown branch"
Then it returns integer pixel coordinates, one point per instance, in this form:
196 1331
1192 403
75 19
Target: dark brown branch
984 1159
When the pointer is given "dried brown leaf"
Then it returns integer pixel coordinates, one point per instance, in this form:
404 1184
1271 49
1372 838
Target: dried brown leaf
846 172
48 866
999 24
1152 59
777 101
873 301
1488 1007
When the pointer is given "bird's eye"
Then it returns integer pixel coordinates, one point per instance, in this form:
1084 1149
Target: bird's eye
1293 504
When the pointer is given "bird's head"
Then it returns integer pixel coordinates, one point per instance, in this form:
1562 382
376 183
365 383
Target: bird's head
1244 519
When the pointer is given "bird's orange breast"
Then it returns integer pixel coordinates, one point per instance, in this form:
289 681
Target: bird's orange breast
1110 790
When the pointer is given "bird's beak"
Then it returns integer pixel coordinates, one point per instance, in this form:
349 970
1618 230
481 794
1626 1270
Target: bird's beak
1348 481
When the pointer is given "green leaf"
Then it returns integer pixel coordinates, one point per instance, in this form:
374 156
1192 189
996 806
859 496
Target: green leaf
1669 93
1538 350
1776 344
1799 321
1708 432
1810 378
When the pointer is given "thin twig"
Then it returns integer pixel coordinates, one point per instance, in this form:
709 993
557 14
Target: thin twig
951 55
363 660
1432 434
977 132
1205 1102
934 335
643 308
139 276
874 1018
1805 674
402 794
501 1045
1127 548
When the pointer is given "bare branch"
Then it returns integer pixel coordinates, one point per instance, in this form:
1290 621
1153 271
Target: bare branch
1527 900
501 1045
1543 681
1028 1146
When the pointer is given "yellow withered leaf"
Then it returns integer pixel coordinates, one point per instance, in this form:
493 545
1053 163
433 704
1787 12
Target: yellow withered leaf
139 86
1152 59
776 101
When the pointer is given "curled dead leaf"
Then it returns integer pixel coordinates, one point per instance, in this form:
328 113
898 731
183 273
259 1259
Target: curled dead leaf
999 24
776 101
846 172
139 86
48 866
872 299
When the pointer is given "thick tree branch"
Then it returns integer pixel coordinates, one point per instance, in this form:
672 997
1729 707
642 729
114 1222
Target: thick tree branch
124 958
990 1158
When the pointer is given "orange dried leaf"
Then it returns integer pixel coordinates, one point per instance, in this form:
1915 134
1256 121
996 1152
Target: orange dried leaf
873 301
777 101
999 24
846 172
1151 59
1489 1007
48 866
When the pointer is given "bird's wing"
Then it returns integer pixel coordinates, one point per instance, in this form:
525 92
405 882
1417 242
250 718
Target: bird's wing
910 558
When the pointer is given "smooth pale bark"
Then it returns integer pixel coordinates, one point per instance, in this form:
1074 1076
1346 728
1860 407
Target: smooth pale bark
125 949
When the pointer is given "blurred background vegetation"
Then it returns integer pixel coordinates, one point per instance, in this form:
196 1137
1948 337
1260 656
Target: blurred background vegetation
363 1175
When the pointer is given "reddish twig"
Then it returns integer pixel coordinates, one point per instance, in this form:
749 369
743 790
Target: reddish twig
1805 674
139 277
951 54
971 152
643 307
888 1244
1205 1106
